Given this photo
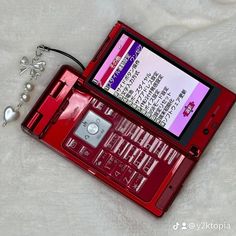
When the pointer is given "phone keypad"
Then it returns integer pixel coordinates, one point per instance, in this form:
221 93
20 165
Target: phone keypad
129 155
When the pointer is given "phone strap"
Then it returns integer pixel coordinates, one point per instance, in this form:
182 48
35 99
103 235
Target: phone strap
34 67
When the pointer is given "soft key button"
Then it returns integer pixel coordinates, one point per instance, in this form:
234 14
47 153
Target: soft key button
85 153
99 105
71 143
110 112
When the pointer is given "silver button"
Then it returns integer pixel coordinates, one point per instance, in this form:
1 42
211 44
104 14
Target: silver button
92 128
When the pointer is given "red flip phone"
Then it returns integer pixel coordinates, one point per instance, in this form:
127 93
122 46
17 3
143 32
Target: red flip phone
138 118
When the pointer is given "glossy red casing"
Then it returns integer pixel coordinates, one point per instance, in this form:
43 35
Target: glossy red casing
69 95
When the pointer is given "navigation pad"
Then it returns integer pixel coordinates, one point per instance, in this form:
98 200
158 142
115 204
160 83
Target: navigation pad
92 128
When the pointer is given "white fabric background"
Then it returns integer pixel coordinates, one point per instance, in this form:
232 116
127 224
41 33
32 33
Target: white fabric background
43 194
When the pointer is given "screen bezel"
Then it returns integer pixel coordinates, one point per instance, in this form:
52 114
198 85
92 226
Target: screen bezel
197 117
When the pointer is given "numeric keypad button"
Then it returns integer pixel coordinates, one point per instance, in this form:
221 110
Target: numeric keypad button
160 149
137 182
110 164
112 141
139 160
127 176
149 166
131 153
121 147
148 143
132 131
143 138
171 156
101 159
123 125
118 170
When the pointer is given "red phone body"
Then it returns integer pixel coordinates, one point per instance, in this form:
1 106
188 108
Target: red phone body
126 151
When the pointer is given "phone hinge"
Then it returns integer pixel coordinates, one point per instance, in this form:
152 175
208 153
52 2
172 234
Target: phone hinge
56 97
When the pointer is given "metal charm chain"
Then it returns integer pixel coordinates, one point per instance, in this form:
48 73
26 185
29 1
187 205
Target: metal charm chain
34 67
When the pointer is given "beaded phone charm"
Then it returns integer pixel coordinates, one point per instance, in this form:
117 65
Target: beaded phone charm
35 67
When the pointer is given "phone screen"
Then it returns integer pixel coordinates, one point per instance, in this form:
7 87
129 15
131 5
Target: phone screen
151 85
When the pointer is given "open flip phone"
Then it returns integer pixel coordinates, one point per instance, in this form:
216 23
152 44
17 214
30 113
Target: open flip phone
138 118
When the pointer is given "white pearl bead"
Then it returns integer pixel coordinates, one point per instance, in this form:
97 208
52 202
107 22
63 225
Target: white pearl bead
24 97
29 87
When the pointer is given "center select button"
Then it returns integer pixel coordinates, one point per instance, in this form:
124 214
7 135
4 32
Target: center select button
92 128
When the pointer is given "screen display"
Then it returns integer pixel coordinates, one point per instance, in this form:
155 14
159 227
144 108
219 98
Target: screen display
151 85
